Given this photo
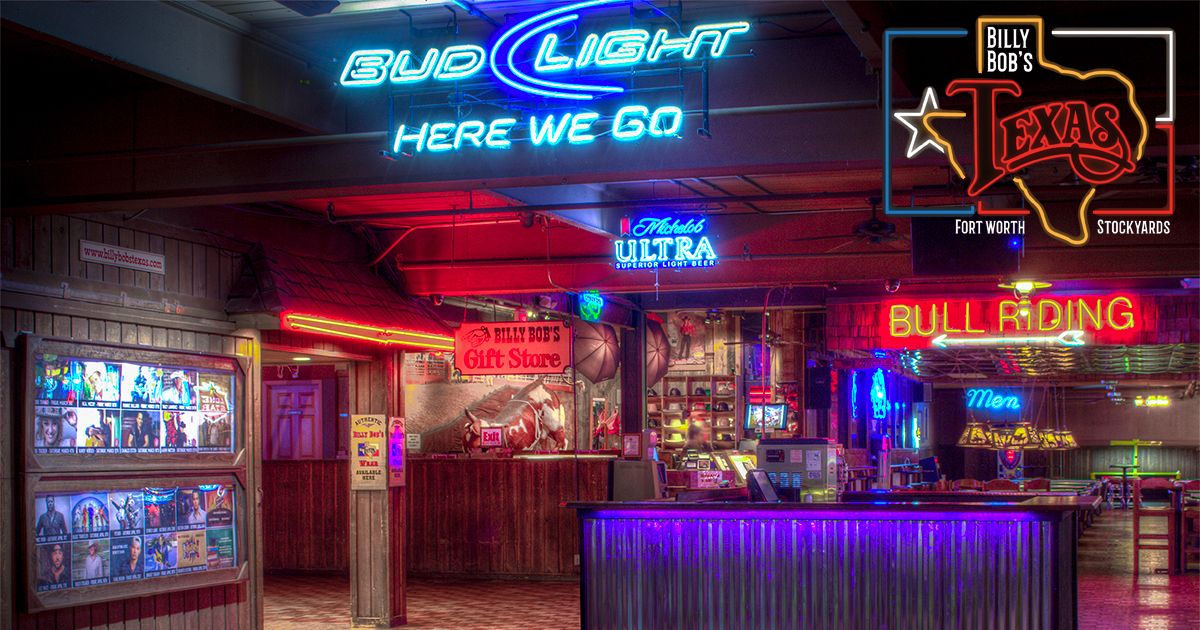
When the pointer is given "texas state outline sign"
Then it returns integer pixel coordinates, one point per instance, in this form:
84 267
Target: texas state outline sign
1096 139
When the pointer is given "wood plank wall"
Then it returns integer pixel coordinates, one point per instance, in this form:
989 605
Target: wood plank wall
181 310
306 507
494 518
1080 464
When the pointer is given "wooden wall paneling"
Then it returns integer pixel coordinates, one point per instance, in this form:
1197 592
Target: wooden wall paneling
42 244
7 506
126 239
60 246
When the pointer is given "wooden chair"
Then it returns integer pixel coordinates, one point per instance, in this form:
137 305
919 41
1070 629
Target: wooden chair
1163 542
1037 485
1000 485
1191 522
968 484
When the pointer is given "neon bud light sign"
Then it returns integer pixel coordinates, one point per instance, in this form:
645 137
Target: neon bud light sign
664 242
547 56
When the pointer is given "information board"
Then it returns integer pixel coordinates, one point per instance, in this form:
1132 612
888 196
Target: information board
108 407
368 452
110 536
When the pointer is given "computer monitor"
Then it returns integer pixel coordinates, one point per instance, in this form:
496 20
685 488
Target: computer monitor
776 416
760 488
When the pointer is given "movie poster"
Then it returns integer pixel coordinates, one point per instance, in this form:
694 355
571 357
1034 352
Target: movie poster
140 431
160 509
53 566
220 505
55 429
191 547
179 389
96 429
192 513
126 513
91 538
127 559
162 553
141 386
50 518
89 562
688 337
89 515
220 548
181 430
98 407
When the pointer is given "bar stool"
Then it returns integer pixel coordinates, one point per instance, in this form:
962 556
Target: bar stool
967 484
1150 541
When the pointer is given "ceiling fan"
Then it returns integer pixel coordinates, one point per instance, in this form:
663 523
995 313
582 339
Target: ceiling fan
772 339
874 230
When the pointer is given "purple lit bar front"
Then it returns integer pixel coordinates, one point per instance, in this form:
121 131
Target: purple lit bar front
827 566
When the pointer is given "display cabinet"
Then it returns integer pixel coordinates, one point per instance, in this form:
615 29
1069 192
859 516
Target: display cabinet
133 468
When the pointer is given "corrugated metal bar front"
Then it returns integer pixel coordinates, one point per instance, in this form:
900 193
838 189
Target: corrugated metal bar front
736 573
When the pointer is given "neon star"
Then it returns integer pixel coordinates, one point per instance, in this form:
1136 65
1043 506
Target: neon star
920 137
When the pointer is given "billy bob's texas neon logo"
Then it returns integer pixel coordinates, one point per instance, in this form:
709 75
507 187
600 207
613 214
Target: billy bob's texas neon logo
528 57
664 243
1098 140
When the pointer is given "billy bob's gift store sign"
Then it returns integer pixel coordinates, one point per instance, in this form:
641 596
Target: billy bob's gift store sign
512 348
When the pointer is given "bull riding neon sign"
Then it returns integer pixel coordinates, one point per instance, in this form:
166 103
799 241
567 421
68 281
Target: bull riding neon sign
529 59
1005 130
664 243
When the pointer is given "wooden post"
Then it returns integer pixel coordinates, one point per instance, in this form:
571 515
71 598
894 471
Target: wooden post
633 375
377 566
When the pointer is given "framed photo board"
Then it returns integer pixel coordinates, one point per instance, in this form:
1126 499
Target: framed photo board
100 408
97 539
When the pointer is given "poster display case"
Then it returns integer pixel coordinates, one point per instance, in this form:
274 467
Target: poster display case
92 407
96 539
133 464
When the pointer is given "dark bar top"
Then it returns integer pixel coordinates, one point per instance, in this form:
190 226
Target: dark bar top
887 505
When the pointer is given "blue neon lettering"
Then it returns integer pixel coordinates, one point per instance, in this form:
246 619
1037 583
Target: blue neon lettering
549 61
497 135
418 139
581 124
366 67
548 131
665 242
987 399
622 48
439 137
656 121
472 130
587 51
403 73
459 62
628 124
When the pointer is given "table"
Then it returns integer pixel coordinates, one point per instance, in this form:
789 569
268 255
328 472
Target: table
860 477
1124 483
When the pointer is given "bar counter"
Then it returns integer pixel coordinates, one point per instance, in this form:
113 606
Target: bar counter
888 563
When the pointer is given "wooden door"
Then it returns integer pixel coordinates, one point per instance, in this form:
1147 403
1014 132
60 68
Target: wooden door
294 417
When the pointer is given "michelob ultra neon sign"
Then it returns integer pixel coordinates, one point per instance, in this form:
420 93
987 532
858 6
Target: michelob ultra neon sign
1049 321
664 242
530 58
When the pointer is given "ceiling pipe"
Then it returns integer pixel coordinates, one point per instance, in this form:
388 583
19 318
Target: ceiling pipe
607 260
432 226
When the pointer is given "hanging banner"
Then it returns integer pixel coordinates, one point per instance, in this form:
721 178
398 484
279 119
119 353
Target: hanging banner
512 348
368 463
395 452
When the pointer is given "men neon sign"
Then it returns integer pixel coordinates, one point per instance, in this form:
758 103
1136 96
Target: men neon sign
664 242
987 399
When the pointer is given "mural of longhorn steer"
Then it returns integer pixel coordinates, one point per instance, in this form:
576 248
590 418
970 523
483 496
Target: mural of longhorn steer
534 419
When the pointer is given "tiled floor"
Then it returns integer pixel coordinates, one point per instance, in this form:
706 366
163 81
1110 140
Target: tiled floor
1109 595
312 603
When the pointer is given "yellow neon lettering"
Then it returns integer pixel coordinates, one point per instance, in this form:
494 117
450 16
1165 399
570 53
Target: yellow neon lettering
899 314
1128 319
